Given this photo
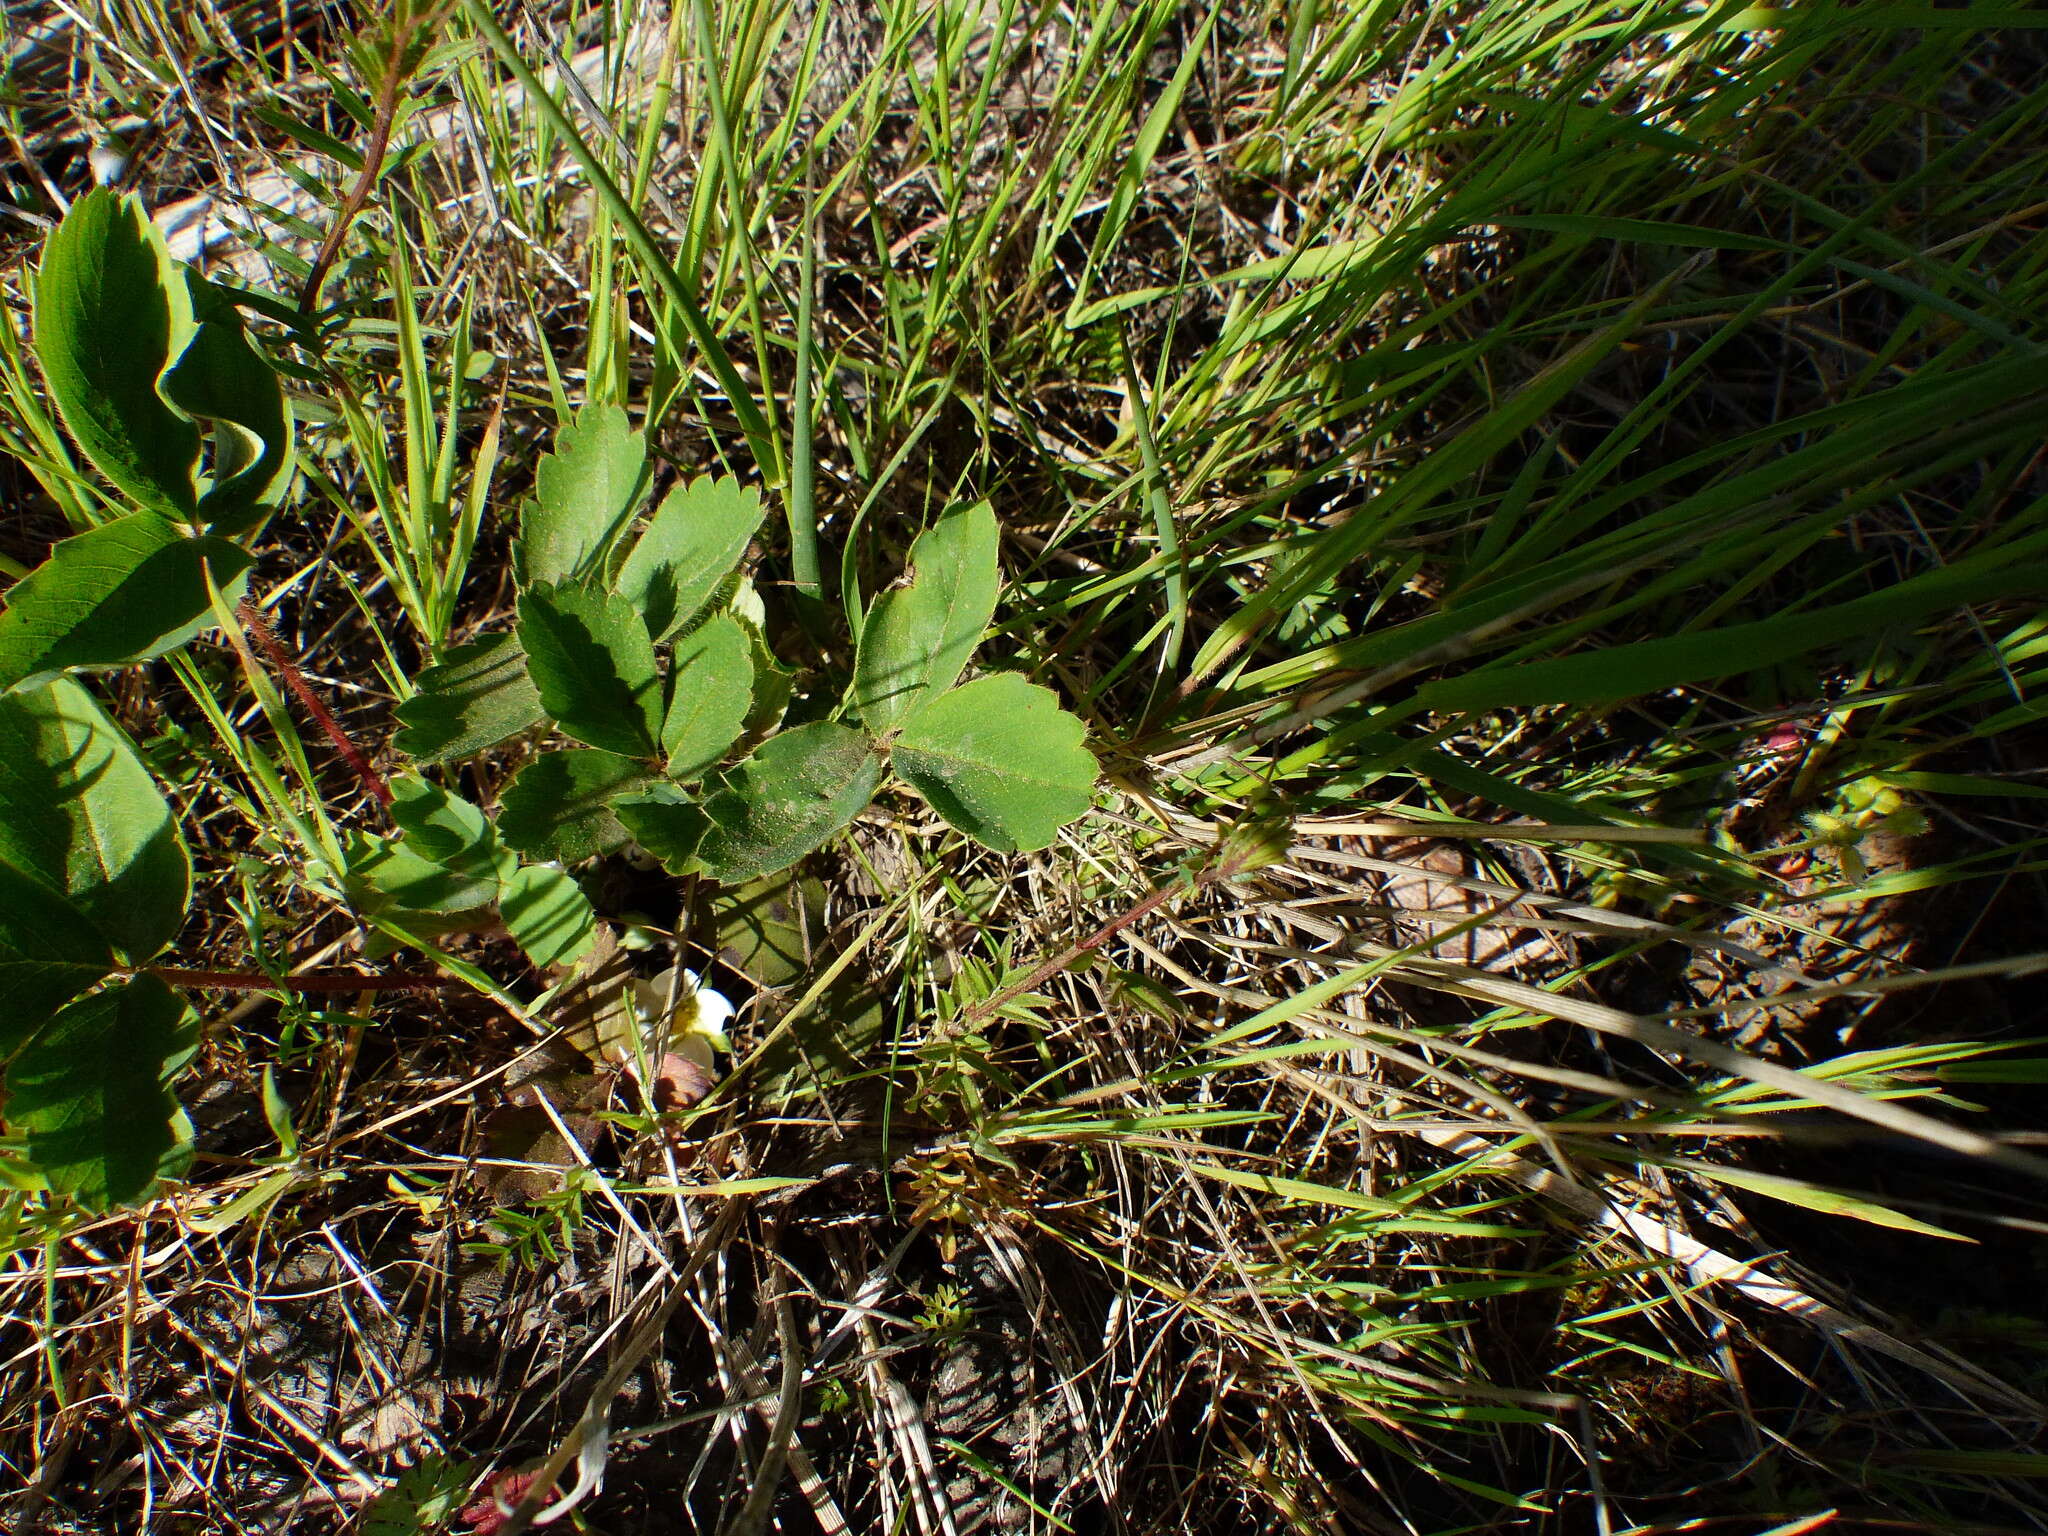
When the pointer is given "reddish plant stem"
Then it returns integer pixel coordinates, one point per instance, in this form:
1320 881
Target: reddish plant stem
389 89
304 981
281 661
1148 903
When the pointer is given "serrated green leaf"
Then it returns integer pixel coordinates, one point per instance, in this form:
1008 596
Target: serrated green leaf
583 494
481 695
89 1091
110 314
49 953
917 639
559 805
222 380
386 878
590 657
690 545
797 790
548 915
119 593
1000 760
666 821
711 693
80 813
772 685
425 1499
446 829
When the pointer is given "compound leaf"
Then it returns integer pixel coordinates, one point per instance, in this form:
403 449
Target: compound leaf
591 658
798 789
918 638
110 313
1000 760
548 915
89 1091
691 544
711 692
582 496
559 806
49 953
481 695
121 592
80 814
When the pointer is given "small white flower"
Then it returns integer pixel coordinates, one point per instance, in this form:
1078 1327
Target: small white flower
697 1025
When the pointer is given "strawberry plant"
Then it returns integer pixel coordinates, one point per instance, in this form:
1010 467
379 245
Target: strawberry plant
641 646
637 638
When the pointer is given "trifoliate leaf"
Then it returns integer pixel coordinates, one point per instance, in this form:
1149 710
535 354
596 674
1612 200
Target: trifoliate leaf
111 311
711 692
559 805
480 696
548 915
1000 760
917 639
80 813
88 1091
690 545
119 593
49 953
796 791
584 492
590 656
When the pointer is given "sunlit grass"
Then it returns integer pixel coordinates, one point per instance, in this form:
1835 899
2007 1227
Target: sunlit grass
1623 424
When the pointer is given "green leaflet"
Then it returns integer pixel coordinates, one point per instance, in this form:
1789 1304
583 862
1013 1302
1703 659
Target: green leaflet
89 1091
1000 760
49 953
559 805
548 915
711 691
583 494
667 822
593 663
119 593
389 878
797 790
917 639
481 695
110 314
80 813
447 830
691 544
221 379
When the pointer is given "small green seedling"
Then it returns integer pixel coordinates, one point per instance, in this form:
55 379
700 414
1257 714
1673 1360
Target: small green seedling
638 644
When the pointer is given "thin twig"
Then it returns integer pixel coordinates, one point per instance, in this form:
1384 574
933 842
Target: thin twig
388 92
304 981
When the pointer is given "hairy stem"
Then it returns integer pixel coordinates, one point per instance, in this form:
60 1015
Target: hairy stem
304 981
281 661
389 89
